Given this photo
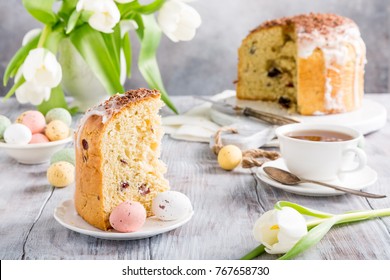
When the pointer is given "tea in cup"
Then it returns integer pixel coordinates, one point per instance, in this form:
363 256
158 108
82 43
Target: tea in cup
320 151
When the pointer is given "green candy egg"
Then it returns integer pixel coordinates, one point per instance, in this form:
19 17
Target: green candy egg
4 123
59 114
67 155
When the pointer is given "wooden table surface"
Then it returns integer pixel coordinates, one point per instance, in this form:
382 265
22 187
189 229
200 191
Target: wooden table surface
226 206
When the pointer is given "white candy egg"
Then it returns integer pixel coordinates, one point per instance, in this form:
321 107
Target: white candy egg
171 205
17 134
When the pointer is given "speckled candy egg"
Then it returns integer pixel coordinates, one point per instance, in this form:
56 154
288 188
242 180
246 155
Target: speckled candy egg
59 114
61 174
128 216
17 134
171 205
4 123
229 157
57 130
67 155
38 138
34 120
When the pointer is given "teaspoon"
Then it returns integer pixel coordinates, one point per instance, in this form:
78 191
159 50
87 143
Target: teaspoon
290 179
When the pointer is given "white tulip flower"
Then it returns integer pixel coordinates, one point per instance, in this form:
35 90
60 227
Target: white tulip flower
30 35
280 230
124 1
105 14
178 20
42 68
30 92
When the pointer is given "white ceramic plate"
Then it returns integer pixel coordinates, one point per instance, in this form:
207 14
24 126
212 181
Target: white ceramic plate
67 216
354 180
370 117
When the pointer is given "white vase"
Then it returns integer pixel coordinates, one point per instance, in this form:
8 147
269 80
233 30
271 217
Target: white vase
78 80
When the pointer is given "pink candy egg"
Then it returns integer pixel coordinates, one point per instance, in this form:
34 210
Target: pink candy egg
39 138
128 216
34 120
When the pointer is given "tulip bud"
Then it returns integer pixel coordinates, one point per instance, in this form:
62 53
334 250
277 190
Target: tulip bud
279 230
105 14
178 20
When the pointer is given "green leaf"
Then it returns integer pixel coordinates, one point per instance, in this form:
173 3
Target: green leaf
74 17
85 15
303 210
126 46
150 8
42 10
18 59
14 88
127 9
113 44
147 62
141 26
53 39
57 100
73 111
92 47
311 238
67 7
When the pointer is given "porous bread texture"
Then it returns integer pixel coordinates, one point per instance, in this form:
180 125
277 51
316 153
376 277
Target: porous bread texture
267 66
119 160
271 69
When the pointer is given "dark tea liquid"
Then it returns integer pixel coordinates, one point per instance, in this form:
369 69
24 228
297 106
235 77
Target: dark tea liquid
320 135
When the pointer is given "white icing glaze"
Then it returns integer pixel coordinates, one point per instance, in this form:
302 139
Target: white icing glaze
105 110
318 113
333 44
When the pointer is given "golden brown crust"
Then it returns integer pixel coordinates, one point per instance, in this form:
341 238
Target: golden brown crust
130 96
309 22
88 196
117 101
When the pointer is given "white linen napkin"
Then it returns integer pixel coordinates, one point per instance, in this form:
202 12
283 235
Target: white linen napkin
201 123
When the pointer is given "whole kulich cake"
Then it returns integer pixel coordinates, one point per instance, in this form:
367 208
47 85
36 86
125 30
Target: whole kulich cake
117 155
312 64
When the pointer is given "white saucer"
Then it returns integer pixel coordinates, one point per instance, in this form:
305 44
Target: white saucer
67 216
354 180
370 117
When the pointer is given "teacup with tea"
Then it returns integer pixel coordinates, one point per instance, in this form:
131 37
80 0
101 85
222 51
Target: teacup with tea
321 151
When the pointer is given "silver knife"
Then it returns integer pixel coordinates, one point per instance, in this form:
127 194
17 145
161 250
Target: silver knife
248 112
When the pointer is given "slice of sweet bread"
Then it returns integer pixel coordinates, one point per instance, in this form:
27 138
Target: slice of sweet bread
117 155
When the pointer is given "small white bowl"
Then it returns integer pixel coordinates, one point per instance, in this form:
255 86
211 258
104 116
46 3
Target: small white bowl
35 153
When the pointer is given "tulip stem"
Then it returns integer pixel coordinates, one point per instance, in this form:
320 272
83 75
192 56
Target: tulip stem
42 39
353 217
254 253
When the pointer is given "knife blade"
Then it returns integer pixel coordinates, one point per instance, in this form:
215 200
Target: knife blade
231 110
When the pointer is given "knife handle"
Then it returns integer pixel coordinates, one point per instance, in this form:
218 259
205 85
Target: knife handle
268 117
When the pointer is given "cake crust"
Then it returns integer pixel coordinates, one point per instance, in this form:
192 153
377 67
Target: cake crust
323 23
117 101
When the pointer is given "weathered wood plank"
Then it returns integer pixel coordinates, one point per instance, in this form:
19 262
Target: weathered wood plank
23 192
226 206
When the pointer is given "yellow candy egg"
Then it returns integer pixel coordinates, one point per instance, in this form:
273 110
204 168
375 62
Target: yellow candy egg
229 157
61 174
57 130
